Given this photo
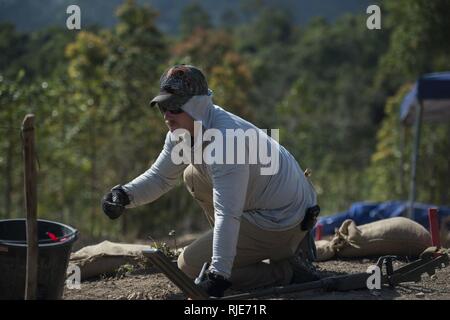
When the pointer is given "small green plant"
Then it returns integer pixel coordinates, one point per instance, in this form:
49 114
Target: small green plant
160 245
124 269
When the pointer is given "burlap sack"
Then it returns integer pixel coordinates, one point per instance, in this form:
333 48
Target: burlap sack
324 250
396 236
105 258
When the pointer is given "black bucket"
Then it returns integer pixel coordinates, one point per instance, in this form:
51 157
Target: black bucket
55 244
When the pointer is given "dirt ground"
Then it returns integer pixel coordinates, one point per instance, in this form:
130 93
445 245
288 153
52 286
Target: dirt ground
148 284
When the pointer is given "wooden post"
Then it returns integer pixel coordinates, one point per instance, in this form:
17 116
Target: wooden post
31 206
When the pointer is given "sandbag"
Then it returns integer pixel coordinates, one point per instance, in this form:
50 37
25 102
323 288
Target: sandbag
324 250
105 258
394 236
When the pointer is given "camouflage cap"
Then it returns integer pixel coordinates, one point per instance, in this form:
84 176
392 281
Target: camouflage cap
178 84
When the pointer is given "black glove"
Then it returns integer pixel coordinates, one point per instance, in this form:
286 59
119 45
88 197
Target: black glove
114 202
214 285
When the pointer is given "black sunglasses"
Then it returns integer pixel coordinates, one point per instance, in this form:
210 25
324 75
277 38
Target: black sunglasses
163 110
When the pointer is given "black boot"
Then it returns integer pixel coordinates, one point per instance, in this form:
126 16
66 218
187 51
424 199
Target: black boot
303 270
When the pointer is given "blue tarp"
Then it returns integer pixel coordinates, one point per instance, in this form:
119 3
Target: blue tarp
434 91
366 212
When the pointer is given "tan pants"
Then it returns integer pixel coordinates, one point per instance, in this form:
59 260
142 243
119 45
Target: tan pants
254 244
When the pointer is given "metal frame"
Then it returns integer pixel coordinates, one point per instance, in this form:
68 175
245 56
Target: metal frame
430 260
186 285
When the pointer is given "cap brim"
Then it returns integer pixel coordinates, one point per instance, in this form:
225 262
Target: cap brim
162 97
170 100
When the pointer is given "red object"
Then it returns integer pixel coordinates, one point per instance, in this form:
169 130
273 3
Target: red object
433 219
52 236
319 229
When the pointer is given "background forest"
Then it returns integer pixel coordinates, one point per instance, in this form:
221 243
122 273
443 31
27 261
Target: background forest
314 71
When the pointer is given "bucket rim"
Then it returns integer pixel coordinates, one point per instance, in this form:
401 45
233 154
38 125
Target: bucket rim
70 238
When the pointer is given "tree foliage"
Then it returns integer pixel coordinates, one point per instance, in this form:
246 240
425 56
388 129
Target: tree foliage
333 88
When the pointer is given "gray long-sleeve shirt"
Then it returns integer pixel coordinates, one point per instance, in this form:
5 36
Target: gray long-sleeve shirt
270 201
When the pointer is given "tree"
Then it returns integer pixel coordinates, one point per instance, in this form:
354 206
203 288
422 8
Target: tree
139 55
327 118
193 17
418 43
204 48
18 97
12 97
11 48
228 73
231 80
86 69
386 173
389 170
267 44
